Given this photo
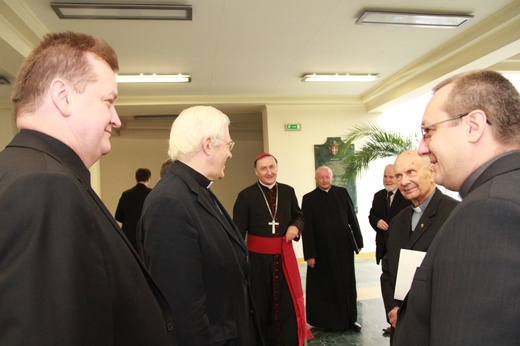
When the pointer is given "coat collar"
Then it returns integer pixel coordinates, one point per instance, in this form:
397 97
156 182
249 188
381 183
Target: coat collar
197 183
56 149
503 164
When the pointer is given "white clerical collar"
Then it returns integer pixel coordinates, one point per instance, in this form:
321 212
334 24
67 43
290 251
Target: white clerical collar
323 189
422 207
209 185
268 186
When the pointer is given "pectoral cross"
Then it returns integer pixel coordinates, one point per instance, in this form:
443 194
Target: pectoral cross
273 225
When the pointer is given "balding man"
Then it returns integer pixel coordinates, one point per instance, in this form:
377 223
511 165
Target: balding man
415 227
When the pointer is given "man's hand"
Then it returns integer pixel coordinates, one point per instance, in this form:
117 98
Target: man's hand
311 262
292 232
392 316
381 224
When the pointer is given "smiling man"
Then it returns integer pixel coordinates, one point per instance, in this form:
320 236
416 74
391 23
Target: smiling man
416 226
386 204
189 242
466 290
268 213
332 235
68 275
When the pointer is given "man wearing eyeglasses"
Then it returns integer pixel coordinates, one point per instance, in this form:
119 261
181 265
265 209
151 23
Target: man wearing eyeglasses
466 290
190 244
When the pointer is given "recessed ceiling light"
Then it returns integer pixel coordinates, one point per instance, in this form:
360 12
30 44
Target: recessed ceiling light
175 78
71 10
429 20
346 77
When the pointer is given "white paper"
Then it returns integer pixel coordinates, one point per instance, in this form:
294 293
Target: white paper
409 260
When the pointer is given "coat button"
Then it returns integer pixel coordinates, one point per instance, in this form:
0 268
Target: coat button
169 326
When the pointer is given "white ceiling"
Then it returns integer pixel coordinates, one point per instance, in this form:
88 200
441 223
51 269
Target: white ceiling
243 55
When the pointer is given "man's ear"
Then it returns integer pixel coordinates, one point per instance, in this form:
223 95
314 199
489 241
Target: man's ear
61 96
477 124
206 145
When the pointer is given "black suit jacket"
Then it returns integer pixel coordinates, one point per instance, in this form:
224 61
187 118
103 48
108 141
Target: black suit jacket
129 210
68 275
199 259
438 210
379 211
466 291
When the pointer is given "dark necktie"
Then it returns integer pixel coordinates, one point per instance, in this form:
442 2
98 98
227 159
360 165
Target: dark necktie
389 199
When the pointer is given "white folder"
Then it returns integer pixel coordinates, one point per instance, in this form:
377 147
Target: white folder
409 260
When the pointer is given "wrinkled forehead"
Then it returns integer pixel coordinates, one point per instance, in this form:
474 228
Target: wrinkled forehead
405 163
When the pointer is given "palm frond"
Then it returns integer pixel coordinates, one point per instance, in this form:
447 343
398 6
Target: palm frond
379 144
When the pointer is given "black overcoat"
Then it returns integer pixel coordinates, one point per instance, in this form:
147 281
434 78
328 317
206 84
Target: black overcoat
68 275
200 261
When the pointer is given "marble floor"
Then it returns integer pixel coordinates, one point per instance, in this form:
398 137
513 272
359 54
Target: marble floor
371 313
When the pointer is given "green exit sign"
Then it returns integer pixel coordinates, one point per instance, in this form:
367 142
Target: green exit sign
293 127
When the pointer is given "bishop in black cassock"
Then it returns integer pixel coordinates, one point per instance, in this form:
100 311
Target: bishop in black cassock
265 211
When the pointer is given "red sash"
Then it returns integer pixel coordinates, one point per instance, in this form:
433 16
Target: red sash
273 246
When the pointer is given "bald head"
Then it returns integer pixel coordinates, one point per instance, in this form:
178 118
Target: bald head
415 176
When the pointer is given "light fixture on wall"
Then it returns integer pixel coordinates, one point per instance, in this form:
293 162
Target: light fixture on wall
345 77
71 10
430 20
4 81
154 78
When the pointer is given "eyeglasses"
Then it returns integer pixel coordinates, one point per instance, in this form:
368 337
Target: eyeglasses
230 145
427 131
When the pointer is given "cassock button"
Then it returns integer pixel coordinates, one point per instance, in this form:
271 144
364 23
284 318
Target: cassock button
422 225
169 326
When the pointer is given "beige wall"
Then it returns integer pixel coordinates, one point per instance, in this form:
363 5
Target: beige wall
295 150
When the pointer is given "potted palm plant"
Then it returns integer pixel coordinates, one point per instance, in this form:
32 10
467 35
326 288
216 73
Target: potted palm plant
379 144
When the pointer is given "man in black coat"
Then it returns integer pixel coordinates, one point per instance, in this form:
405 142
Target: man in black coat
466 290
415 227
68 275
331 237
386 204
131 203
189 242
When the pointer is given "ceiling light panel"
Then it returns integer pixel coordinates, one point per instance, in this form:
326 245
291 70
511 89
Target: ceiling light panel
70 10
414 19
339 78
